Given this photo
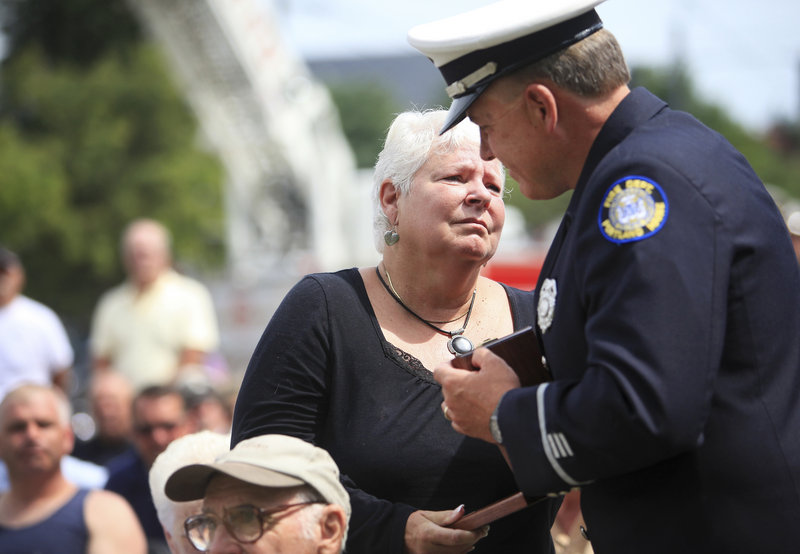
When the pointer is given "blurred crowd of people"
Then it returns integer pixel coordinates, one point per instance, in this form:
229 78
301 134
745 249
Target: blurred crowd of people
97 483
147 384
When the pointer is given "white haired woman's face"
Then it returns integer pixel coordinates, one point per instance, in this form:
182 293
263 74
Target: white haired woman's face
454 206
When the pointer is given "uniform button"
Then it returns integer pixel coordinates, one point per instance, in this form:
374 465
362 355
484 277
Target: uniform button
544 362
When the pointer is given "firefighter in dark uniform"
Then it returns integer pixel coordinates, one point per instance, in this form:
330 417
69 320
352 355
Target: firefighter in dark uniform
668 304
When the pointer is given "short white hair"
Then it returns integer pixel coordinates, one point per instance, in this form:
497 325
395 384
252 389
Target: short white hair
412 137
202 447
23 391
312 515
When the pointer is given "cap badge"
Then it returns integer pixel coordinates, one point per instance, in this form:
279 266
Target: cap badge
462 85
547 304
633 208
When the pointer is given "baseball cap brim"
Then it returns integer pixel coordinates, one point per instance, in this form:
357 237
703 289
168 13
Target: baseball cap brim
190 482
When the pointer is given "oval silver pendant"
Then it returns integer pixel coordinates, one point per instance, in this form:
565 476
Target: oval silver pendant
459 345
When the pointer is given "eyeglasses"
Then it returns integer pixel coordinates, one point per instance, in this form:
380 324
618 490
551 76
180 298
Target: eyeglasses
244 523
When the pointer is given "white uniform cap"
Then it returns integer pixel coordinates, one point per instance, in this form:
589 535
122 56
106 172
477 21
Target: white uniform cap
474 48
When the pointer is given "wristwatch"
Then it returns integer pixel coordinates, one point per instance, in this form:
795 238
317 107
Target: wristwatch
494 427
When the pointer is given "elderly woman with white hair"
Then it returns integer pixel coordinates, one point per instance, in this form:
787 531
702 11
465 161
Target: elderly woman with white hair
345 362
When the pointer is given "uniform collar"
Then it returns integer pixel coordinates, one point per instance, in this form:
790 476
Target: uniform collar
636 108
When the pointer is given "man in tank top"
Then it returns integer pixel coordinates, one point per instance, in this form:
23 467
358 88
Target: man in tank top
42 511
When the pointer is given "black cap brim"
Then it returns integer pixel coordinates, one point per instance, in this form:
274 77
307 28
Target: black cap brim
459 106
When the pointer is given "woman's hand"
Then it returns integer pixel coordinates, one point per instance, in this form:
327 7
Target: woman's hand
427 533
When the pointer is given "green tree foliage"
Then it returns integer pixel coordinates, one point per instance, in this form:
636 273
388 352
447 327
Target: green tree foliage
92 136
777 166
74 31
367 110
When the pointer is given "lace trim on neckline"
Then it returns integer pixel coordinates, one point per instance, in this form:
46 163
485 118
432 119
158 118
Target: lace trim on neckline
411 363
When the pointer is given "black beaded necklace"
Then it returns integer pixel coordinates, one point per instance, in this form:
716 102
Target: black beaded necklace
458 343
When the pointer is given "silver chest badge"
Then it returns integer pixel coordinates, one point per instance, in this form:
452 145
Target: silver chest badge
547 304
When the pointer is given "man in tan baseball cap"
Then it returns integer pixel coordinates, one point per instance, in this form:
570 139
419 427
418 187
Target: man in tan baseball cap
273 493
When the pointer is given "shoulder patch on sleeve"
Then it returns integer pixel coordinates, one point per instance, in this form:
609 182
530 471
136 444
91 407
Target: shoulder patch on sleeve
632 209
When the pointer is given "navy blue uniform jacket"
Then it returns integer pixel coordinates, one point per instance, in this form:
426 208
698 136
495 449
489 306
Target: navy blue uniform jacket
669 314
